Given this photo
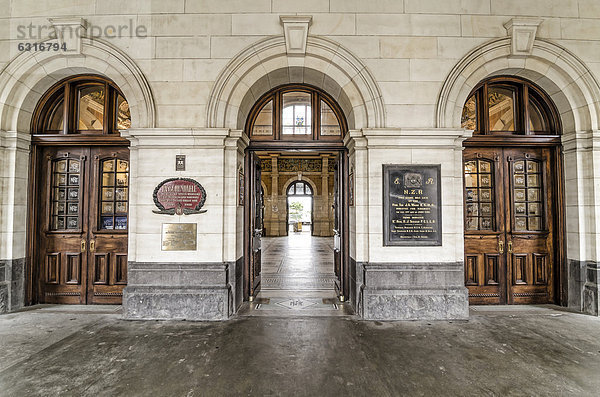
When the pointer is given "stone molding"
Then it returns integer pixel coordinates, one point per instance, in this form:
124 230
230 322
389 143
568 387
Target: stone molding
29 75
415 138
177 137
269 55
572 85
14 140
295 31
522 32
72 41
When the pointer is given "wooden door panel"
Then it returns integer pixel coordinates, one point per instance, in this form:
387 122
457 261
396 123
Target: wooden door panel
73 268
108 225
78 261
514 262
485 264
529 225
337 224
256 221
484 267
62 224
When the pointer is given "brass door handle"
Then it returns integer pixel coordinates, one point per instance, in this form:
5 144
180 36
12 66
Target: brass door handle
93 246
501 246
510 250
83 244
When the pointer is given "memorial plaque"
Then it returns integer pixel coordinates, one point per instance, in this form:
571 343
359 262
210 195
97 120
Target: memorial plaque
181 196
179 236
412 212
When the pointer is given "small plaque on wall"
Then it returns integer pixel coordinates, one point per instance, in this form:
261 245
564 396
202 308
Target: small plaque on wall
179 237
179 196
412 211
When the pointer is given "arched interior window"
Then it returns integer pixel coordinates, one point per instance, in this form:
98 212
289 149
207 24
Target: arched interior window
299 188
82 105
509 106
296 112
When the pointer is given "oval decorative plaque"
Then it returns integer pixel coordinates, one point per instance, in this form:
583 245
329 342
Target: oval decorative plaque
181 196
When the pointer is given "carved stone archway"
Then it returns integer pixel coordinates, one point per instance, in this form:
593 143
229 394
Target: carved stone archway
266 65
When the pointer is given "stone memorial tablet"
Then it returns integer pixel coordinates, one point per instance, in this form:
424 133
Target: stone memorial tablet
179 237
412 212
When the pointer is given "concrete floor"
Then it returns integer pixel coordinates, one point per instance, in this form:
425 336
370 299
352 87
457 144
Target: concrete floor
89 351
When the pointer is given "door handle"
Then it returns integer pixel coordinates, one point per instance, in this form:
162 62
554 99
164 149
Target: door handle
93 246
501 246
83 244
510 249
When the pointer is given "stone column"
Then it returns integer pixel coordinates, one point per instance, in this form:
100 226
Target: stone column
409 282
14 167
582 196
191 284
359 226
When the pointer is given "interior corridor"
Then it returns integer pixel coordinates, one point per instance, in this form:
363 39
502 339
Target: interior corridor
297 277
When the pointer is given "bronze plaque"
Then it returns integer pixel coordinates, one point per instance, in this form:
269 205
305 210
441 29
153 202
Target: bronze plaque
412 205
179 236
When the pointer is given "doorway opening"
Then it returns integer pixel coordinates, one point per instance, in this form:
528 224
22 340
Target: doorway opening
79 195
299 208
296 230
296 240
513 198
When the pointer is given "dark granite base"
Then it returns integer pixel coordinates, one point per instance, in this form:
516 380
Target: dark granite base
583 286
162 303
237 277
184 291
591 289
12 284
412 291
3 297
576 283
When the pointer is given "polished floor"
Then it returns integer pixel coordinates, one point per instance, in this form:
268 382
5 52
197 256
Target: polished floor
500 351
297 278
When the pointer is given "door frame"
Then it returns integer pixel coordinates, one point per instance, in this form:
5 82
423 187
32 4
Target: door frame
558 189
287 212
38 143
284 147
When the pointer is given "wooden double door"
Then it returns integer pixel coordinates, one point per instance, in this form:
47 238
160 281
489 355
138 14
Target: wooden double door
82 220
510 206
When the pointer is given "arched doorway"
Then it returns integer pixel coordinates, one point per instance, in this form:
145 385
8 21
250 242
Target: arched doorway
513 194
300 207
302 127
80 193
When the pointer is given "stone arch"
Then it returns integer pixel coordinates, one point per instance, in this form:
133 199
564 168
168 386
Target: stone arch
292 74
265 65
293 179
27 77
565 78
264 186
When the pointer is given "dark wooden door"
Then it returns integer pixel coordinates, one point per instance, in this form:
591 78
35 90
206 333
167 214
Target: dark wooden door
82 224
107 236
256 226
337 225
509 232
